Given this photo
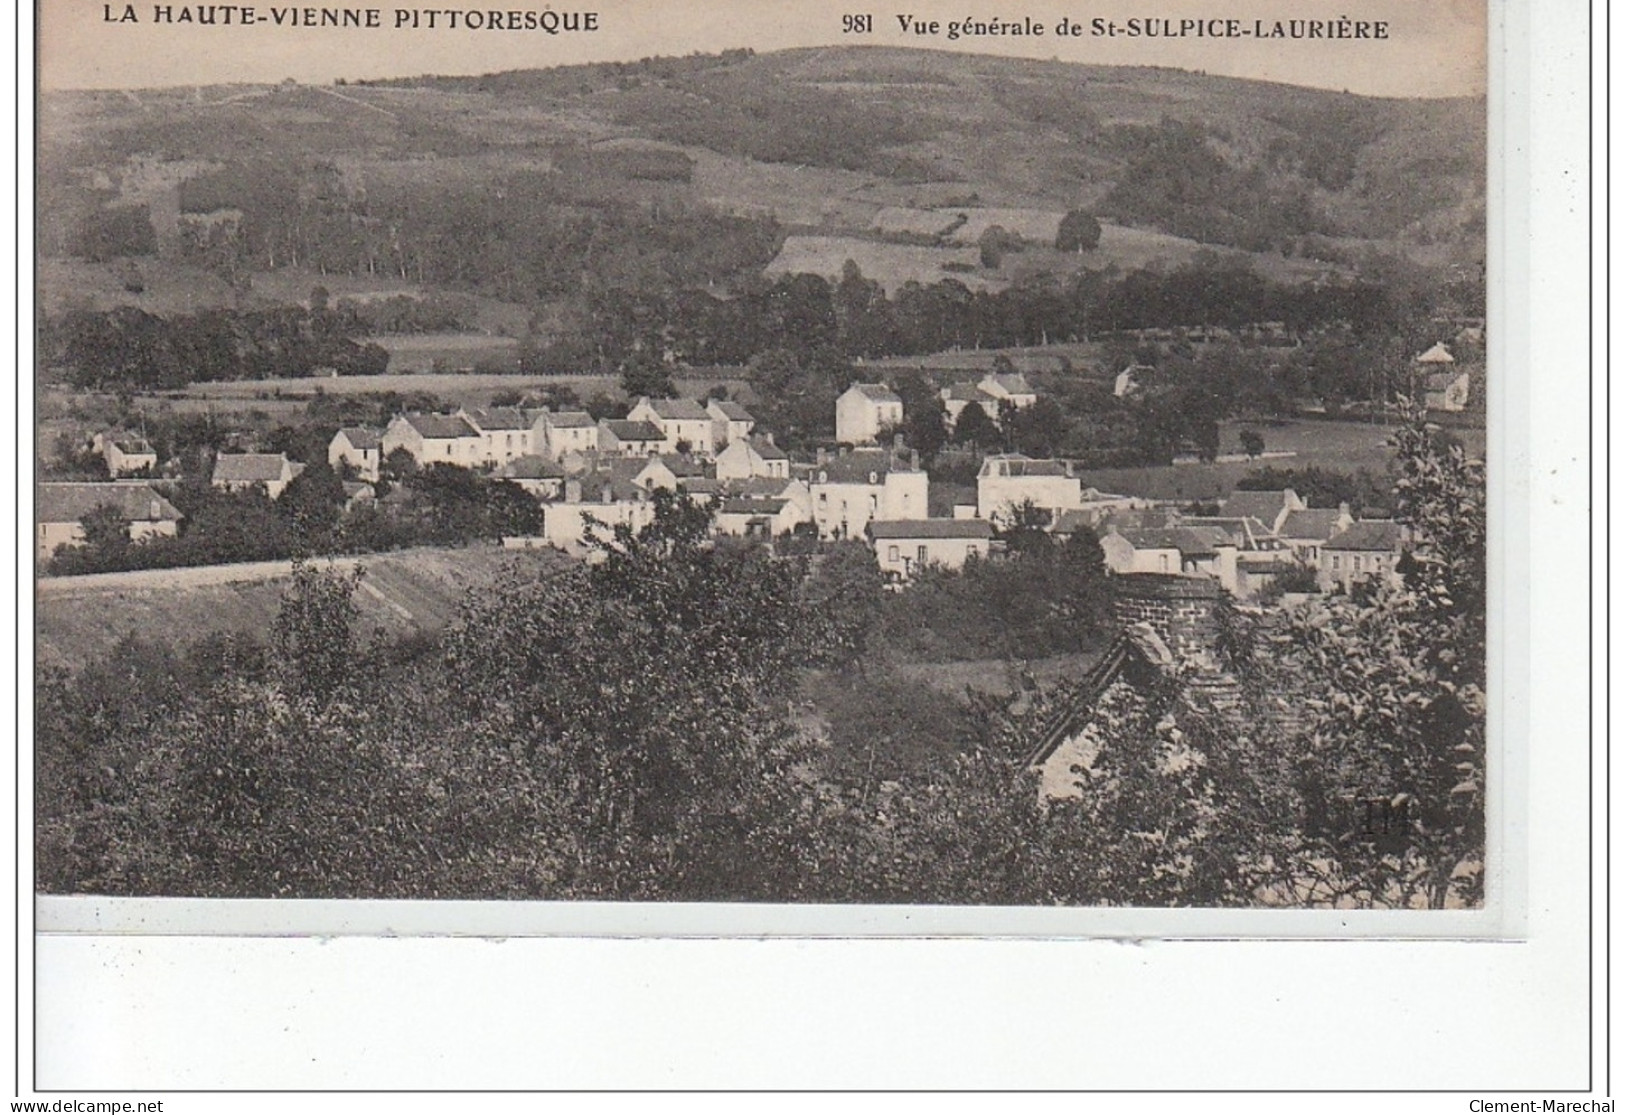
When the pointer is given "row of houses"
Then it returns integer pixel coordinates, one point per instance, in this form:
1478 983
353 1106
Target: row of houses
492 437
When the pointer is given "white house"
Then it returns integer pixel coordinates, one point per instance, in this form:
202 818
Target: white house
359 447
1007 481
905 547
1008 387
684 423
863 410
732 422
434 439
567 431
628 437
598 502
236 472
851 490
747 457
504 433
60 508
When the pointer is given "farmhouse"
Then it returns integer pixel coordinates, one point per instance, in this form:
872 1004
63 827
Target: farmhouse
434 439
864 410
236 472
626 437
359 447
991 394
905 547
1007 481
758 516
854 488
60 508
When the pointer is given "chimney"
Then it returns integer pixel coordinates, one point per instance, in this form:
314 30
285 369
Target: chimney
823 455
897 442
914 459
572 490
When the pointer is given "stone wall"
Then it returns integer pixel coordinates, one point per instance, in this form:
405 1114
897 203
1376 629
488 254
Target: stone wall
1183 611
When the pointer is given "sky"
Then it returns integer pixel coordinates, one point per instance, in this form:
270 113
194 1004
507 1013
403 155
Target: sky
1435 47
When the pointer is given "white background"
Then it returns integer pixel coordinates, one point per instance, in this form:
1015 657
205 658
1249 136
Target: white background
172 1013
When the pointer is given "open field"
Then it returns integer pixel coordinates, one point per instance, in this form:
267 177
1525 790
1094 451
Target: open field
406 593
428 352
890 265
1341 446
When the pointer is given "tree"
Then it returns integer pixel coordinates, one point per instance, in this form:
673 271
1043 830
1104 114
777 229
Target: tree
992 246
107 530
312 504
1252 442
1079 232
643 375
313 635
1398 735
975 428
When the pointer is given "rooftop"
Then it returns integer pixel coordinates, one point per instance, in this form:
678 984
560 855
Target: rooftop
253 468
71 502
678 409
571 418
1374 534
439 426
360 437
876 392
628 430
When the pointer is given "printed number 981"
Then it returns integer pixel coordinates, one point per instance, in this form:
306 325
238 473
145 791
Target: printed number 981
857 24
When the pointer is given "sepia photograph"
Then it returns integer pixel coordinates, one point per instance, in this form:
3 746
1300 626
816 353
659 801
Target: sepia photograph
885 460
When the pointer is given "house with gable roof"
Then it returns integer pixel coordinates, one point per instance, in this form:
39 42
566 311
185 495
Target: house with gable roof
434 439
732 422
753 456
236 472
1368 550
629 437
358 446
557 433
60 508
864 410
683 423
504 433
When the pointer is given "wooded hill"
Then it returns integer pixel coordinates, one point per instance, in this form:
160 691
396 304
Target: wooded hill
688 172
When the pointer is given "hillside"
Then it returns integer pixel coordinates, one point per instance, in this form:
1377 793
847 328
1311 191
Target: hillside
415 592
690 173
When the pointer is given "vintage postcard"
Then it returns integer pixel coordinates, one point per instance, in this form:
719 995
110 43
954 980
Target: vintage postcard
831 469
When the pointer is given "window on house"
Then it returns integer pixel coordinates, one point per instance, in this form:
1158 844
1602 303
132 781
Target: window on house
891 553
922 552
874 505
823 499
1163 562
970 550
1356 563
1337 561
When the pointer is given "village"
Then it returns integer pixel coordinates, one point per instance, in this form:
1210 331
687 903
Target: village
590 475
